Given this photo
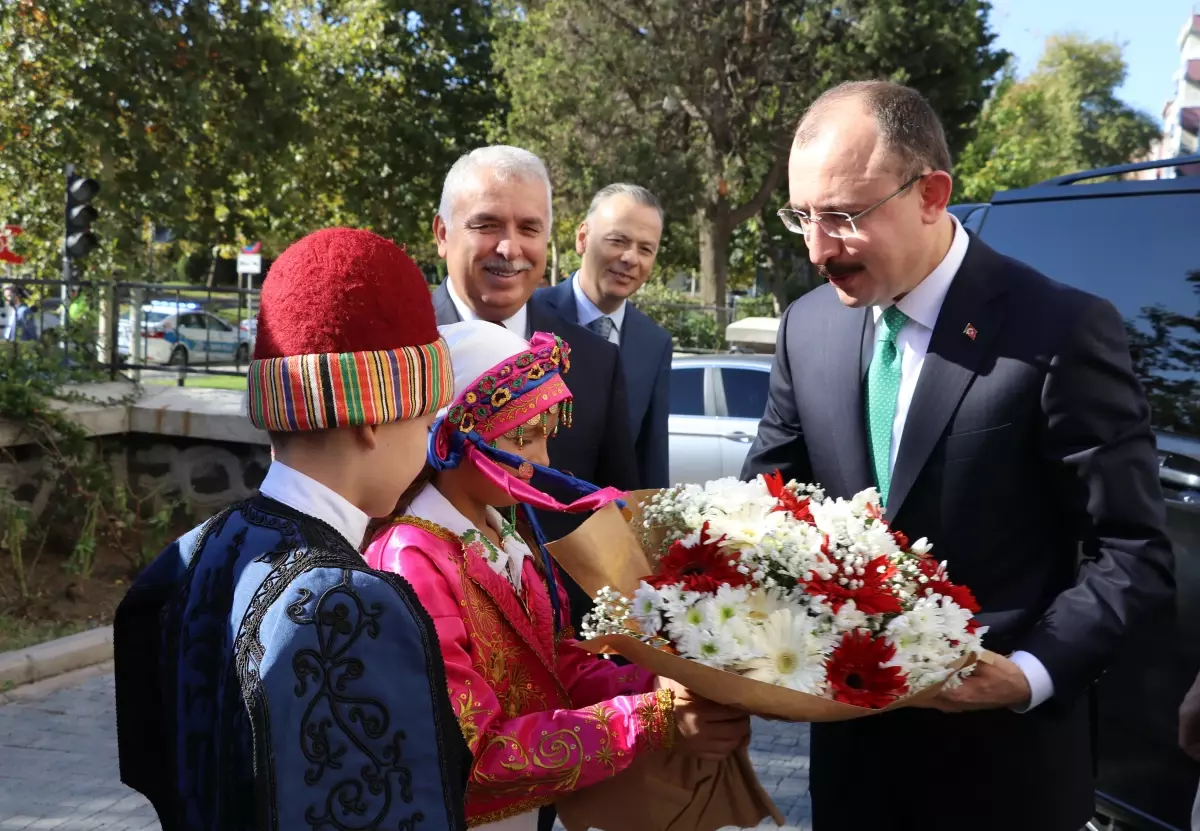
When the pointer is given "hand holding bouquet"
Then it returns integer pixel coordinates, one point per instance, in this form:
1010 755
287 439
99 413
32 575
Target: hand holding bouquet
775 583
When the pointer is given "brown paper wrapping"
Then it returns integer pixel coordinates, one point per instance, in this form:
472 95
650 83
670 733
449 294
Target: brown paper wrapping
671 791
606 551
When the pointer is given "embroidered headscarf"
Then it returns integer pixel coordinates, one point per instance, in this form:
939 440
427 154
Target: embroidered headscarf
505 386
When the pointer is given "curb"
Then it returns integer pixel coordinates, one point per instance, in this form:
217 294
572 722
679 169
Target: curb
46 660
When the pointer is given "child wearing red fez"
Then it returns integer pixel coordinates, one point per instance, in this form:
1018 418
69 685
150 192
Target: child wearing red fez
266 677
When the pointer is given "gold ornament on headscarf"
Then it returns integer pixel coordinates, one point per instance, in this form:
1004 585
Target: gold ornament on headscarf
541 420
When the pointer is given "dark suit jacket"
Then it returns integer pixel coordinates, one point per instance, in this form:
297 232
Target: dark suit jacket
597 448
1025 446
646 357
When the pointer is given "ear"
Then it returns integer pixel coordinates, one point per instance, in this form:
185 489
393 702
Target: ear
368 436
581 239
936 189
439 235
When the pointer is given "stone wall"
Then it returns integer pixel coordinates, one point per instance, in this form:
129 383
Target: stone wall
204 475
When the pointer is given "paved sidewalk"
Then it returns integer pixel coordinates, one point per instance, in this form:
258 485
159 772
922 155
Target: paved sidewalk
58 763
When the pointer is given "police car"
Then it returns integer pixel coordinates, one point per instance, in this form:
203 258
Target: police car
179 333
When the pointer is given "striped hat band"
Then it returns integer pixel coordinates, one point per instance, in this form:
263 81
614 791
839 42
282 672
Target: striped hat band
349 389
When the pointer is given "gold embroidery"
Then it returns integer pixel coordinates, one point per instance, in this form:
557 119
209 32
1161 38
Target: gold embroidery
604 754
523 806
430 528
556 762
467 708
657 721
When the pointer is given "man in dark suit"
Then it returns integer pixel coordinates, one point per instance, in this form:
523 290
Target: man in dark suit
618 241
492 229
998 415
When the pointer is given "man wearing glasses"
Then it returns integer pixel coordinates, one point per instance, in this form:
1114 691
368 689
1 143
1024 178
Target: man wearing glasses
998 415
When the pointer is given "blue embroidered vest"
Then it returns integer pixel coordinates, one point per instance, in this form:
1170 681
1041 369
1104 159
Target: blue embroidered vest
268 679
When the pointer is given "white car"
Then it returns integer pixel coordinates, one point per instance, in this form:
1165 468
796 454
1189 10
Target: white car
716 404
181 333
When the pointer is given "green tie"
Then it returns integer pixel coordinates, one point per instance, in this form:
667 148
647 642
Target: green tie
883 386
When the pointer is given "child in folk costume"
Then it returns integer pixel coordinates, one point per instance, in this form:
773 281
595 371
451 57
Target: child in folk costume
542 718
266 678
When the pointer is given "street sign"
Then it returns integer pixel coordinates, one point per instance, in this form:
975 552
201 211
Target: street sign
256 248
249 264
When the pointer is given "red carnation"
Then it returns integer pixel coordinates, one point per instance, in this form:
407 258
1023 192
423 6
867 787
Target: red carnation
856 673
939 583
704 567
787 499
871 593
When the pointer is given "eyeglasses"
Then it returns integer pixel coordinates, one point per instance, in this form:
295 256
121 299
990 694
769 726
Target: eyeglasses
836 224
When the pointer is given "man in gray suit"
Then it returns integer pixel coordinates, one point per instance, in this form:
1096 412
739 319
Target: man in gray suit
998 414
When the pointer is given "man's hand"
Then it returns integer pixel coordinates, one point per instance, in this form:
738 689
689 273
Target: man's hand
994 684
1189 722
704 728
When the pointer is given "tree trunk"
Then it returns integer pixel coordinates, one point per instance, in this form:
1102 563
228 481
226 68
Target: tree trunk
553 262
716 231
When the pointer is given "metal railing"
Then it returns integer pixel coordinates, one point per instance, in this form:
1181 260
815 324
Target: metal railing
150 331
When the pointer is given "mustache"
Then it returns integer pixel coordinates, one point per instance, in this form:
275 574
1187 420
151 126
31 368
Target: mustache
828 270
501 264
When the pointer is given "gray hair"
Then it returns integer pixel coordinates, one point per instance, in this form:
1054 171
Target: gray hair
502 162
638 193
909 127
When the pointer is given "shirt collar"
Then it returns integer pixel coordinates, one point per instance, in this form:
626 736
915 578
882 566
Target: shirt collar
924 303
518 324
431 505
588 311
308 496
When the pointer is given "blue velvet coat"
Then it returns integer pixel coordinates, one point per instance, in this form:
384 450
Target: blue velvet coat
267 679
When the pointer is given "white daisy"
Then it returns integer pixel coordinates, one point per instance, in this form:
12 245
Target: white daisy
791 652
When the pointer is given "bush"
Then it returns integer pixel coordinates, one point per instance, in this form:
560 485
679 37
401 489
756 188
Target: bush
692 325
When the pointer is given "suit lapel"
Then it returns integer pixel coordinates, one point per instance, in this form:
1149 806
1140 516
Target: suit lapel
443 306
562 298
968 322
635 341
540 320
840 377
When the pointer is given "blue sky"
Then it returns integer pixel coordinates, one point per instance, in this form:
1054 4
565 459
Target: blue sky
1149 30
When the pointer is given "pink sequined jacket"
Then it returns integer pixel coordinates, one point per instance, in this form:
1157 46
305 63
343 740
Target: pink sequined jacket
542 718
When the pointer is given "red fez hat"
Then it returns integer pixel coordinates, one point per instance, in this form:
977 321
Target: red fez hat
347 336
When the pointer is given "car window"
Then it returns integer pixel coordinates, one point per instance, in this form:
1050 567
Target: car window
687 391
745 391
216 324
1139 253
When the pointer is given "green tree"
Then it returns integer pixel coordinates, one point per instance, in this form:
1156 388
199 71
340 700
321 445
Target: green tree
698 99
395 92
229 121
1064 117
176 109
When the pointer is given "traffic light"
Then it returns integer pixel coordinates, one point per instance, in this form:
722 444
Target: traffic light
80 215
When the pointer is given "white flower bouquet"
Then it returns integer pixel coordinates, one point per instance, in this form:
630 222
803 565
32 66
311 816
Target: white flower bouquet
771 596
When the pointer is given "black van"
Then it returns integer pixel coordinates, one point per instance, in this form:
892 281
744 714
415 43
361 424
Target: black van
1135 242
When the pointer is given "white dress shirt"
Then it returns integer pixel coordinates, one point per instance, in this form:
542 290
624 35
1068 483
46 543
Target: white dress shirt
922 306
588 311
518 324
308 496
507 561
